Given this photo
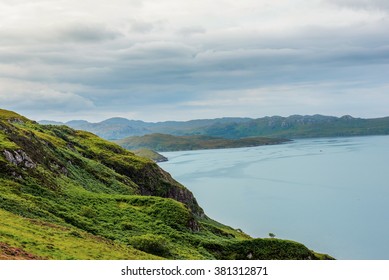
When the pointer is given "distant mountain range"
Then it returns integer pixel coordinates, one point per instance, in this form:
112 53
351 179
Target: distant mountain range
295 126
119 128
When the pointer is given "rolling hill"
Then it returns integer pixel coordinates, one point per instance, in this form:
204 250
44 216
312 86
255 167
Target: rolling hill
165 142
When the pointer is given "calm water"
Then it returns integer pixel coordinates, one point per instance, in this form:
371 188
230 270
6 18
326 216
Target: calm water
332 194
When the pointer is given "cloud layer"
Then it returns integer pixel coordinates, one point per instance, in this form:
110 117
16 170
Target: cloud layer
170 59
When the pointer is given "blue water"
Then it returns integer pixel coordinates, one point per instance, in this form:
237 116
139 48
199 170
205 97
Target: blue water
332 194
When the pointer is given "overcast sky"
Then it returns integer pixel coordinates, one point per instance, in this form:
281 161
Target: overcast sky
178 60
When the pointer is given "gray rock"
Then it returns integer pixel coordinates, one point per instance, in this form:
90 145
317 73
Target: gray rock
64 171
10 157
19 157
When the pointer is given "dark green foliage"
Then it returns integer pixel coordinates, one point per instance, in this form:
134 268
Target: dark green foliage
171 213
127 226
88 212
150 243
270 249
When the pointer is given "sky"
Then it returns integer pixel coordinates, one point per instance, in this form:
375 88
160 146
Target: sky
180 60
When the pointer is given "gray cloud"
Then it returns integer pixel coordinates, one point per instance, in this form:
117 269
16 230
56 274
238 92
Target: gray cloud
362 4
111 62
38 97
70 33
141 26
81 32
191 30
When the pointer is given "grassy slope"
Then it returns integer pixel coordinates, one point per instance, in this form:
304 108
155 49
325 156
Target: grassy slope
72 195
150 154
51 241
166 142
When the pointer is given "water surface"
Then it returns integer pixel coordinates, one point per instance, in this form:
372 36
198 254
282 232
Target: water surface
332 194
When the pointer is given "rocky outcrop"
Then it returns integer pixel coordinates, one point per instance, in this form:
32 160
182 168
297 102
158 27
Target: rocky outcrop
185 196
157 182
19 158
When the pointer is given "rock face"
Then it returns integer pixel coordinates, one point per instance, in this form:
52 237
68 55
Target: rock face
154 181
19 158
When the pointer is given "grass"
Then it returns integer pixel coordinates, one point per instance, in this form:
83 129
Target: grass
7 144
50 241
11 116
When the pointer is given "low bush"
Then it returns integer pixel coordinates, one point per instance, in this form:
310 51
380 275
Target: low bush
150 243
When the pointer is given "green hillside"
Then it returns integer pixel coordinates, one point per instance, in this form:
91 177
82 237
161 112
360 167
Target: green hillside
165 142
67 194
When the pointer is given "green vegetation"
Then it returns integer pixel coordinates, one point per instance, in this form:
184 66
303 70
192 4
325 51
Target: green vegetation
52 241
67 194
150 154
166 142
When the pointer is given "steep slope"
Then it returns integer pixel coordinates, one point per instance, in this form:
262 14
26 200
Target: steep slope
67 194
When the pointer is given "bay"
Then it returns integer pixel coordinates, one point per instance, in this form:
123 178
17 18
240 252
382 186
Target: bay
331 194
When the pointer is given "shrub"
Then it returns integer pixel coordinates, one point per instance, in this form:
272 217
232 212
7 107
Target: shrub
150 243
88 212
126 226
